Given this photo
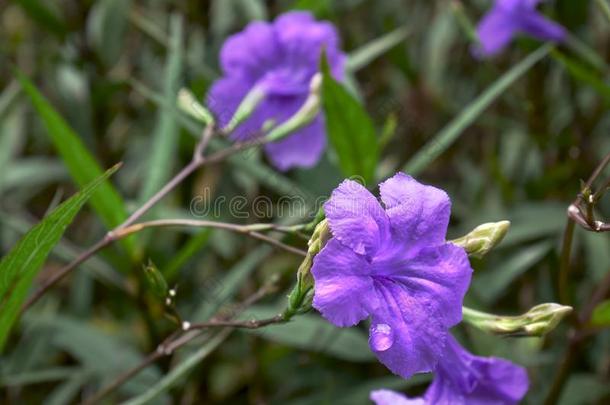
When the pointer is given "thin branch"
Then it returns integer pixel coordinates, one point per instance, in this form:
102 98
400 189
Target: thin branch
250 230
55 278
198 160
175 341
247 324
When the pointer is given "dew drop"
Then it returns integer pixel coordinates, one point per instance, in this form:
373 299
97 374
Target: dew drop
382 337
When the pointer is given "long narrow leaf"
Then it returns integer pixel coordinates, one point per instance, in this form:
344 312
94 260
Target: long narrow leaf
377 47
165 138
80 163
350 129
448 135
21 265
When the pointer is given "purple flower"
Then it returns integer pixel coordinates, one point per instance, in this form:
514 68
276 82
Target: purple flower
279 59
462 378
392 264
508 18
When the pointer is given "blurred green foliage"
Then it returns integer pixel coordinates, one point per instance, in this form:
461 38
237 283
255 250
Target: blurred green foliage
112 69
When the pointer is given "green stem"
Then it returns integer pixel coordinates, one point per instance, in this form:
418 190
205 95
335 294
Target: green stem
564 265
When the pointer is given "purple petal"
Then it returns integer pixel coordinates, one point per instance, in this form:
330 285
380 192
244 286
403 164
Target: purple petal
302 39
542 28
356 218
495 31
251 52
225 95
418 337
419 214
344 291
388 397
439 274
465 378
303 148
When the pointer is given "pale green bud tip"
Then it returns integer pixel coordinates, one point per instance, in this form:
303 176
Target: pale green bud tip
301 297
246 108
155 280
189 104
304 116
538 321
483 238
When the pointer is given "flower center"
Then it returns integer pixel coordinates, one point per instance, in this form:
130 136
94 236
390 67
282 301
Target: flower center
286 81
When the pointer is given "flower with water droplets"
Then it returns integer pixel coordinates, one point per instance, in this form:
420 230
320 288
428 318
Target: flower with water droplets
507 19
463 378
274 63
391 263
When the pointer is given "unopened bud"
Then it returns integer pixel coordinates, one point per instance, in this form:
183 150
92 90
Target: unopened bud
300 299
246 108
304 116
155 280
189 104
483 238
538 321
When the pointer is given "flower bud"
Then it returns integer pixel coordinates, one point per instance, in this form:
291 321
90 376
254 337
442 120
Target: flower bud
189 104
155 280
299 300
538 321
483 238
304 116
246 108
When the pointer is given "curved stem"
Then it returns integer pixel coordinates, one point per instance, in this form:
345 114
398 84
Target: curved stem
250 230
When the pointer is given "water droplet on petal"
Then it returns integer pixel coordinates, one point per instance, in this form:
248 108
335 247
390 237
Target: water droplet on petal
382 337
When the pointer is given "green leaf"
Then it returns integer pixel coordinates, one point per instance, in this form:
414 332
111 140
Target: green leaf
583 73
490 285
21 265
180 370
103 356
452 131
45 16
106 27
349 128
165 139
377 47
601 314
80 163
218 291
312 333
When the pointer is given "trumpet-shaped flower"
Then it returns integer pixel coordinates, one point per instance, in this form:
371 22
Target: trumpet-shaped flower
278 60
508 18
391 263
462 378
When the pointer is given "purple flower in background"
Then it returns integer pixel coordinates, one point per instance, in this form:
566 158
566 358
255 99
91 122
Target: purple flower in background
393 265
279 59
462 378
509 18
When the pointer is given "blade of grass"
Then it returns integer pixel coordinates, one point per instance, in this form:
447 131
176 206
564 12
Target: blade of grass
180 370
450 133
80 163
364 55
604 7
165 138
583 74
195 244
21 265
